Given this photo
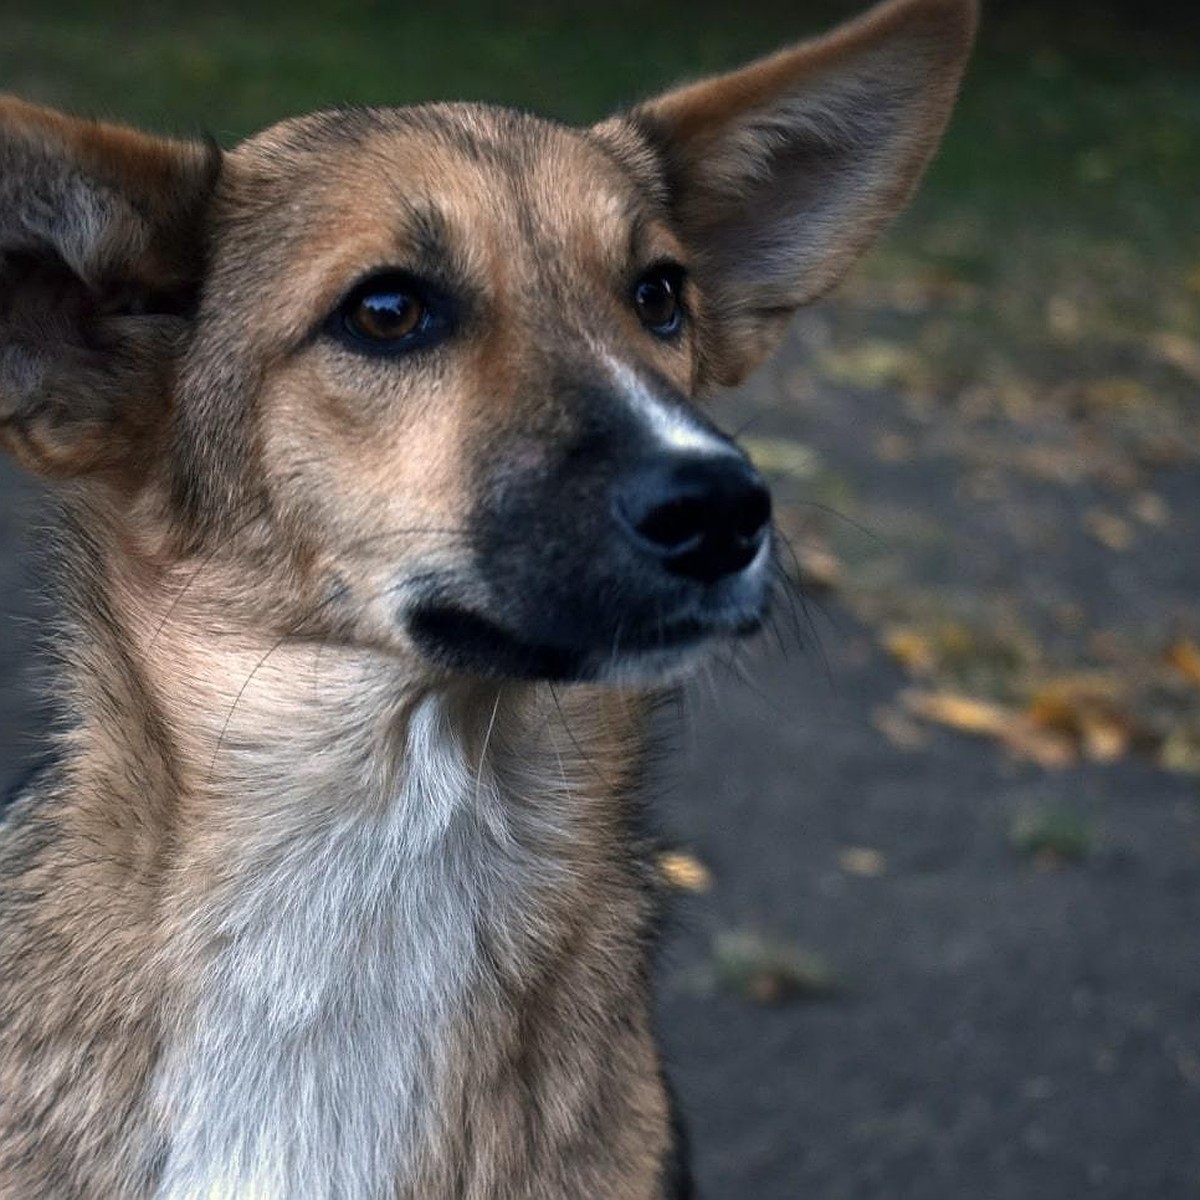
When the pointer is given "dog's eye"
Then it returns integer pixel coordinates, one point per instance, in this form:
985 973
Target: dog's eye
390 313
656 296
385 316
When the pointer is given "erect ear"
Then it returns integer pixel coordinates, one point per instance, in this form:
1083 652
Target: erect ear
780 174
101 256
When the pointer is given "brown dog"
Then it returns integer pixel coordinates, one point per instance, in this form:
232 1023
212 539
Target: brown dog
370 431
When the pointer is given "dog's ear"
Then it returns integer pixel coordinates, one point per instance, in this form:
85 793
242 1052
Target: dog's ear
101 258
782 173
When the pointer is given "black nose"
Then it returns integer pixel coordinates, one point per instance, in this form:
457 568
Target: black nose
702 517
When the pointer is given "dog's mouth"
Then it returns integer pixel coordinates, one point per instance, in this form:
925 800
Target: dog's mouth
460 639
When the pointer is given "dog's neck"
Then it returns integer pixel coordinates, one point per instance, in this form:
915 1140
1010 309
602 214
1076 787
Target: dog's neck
368 878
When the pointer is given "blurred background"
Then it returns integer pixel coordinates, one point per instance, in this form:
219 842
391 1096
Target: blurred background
936 838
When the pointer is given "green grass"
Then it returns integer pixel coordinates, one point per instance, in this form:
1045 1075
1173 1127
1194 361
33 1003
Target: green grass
234 68
1064 202
1055 235
768 970
1052 833
1108 136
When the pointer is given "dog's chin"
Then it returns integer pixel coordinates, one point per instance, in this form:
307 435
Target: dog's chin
463 641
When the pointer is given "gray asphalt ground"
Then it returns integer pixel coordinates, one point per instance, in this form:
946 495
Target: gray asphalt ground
996 1031
1000 1032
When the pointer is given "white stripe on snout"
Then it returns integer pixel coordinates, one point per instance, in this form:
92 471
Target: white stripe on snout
671 426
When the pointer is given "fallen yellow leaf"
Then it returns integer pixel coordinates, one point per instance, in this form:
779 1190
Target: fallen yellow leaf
819 567
782 456
1060 702
1116 392
963 713
684 872
1150 508
1179 351
1050 750
982 718
1063 316
1105 738
1114 532
909 648
876 364
1180 752
1086 708
862 860
1184 656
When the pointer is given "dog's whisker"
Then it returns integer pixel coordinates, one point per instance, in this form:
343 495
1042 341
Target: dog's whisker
857 526
583 754
205 562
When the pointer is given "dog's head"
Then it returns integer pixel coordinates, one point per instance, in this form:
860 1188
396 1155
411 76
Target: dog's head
426 376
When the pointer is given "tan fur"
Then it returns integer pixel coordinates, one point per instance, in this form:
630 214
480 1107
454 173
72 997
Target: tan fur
303 909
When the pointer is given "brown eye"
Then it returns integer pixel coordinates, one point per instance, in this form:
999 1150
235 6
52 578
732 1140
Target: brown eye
656 296
394 313
387 315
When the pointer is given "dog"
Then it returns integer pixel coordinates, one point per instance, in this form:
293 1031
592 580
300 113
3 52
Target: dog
386 508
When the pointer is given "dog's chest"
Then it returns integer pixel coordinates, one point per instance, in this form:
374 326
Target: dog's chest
309 1065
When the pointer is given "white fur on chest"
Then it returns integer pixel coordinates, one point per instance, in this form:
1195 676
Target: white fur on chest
308 1065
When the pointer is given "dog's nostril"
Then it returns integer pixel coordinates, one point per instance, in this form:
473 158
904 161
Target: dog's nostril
754 512
677 525
702 518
